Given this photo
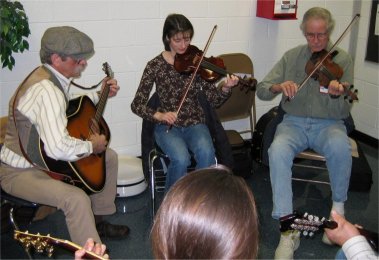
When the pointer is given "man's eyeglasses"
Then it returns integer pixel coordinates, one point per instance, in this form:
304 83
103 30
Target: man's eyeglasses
320 36
77 61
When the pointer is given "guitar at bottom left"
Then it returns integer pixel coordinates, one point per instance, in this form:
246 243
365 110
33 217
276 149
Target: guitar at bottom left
46 244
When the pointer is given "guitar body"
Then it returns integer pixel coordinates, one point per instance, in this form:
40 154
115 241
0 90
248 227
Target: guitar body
88 173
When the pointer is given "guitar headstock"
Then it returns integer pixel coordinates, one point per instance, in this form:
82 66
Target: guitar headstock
108 70
41 244
307 224
45 244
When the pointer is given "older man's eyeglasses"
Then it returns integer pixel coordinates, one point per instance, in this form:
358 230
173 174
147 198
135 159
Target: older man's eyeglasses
320 36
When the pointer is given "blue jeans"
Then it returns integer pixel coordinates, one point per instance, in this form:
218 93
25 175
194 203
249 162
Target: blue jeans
176 144
294 134
340 255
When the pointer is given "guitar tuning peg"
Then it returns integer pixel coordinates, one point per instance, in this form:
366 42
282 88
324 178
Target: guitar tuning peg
305 233
316 218
311 234
323 219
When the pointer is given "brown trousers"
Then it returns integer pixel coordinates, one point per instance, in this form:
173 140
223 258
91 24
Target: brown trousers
79 208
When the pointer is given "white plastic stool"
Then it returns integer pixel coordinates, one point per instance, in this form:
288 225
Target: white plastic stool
131 180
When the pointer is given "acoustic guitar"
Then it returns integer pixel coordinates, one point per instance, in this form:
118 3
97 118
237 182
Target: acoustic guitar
47 244
308 225
84 118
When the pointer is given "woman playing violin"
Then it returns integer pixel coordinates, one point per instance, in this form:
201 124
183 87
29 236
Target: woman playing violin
187 128
313 119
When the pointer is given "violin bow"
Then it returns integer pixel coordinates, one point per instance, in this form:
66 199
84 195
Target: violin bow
318 65
194 73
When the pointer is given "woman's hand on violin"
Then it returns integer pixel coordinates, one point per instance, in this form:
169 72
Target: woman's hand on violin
168 117
289 88
336 88
230 81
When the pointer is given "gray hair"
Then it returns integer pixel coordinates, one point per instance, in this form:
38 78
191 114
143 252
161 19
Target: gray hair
319 13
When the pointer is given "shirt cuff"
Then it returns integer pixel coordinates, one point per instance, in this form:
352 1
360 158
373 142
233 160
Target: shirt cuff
357 247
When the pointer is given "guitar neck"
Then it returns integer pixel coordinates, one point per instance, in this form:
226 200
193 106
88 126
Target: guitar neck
72 247
102 103
47 243
104 93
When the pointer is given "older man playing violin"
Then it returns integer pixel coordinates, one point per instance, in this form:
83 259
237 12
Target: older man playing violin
313 119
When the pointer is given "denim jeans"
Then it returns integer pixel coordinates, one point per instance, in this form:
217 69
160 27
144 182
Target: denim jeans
294 134
176 144
340 255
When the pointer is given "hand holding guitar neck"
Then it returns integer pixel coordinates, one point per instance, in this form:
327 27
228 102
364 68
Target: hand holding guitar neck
341 229
346 230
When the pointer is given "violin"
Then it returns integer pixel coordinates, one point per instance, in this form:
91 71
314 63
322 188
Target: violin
327 71
211 69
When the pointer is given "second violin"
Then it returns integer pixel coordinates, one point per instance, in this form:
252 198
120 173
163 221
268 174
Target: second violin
211 69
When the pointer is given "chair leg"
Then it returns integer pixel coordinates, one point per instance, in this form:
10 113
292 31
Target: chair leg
152 157
152 187
15 226
12 218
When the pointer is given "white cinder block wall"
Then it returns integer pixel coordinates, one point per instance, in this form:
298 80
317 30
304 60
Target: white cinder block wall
128 33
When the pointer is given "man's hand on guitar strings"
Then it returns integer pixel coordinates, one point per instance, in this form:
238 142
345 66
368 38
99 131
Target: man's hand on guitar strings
99 143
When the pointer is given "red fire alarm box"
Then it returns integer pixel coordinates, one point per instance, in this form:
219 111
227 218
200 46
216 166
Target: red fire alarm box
277 9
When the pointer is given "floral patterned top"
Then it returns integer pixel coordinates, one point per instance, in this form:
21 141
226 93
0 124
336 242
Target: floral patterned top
170 86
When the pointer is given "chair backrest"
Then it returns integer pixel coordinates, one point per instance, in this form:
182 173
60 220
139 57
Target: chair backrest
3 128
241 104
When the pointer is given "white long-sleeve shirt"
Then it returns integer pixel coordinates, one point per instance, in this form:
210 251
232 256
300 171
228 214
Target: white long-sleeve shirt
357 248
44 105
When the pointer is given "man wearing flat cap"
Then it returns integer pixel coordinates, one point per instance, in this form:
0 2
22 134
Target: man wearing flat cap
37 110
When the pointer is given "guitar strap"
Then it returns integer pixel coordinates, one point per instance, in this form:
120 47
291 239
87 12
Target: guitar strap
54 175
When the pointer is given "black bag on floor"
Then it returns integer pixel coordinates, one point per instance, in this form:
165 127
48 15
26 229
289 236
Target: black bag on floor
361 173
243 163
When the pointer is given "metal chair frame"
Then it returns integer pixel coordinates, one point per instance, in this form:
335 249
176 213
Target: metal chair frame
313 156
157 183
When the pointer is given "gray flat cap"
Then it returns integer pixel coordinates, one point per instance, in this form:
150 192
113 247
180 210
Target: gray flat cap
67 41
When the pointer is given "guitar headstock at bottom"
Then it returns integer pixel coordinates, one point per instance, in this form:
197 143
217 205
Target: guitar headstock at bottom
307 224
46 244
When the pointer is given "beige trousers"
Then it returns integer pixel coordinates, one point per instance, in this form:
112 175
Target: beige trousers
79 208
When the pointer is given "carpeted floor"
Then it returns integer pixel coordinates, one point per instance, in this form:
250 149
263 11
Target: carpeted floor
361 207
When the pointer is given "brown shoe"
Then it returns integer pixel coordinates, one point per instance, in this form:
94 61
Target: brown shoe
108 230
